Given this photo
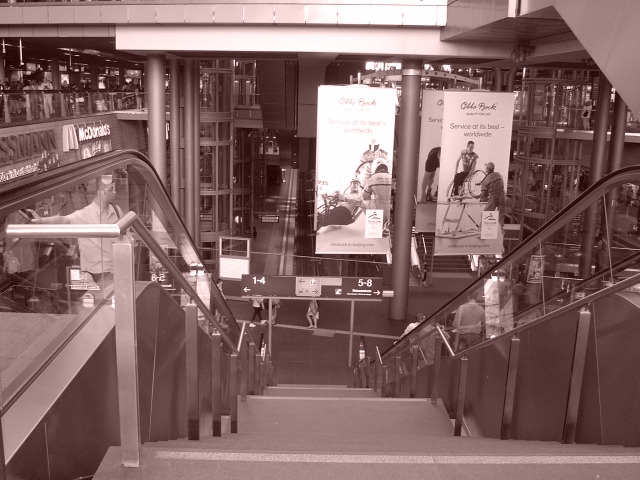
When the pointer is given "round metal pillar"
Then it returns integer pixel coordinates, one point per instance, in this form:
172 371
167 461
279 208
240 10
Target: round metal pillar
174 130
189 147
407 166
157 114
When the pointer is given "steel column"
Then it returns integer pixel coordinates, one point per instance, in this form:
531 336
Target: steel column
193 400
510 389
407 170
174 131
616 152
190 207
156 103
596 171
577 373
196 145
216 384
462 390
497 79
126 352
233 391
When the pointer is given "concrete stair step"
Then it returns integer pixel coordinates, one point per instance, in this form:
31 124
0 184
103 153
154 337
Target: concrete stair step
317 391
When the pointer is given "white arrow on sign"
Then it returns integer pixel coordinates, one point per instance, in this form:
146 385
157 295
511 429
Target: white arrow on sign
247 289
377 292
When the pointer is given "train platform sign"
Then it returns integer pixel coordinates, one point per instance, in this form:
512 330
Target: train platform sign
338 288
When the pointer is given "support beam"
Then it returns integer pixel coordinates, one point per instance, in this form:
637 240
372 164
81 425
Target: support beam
156 102
407 166
195 193
189 147
174 131
596 172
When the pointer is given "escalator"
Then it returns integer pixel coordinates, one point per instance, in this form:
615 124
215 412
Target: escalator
552 355
58 371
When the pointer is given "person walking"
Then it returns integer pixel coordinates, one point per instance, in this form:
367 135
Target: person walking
256 303
469 323
313 314
275 306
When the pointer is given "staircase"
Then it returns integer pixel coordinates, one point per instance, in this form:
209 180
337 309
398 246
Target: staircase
334 432
458 264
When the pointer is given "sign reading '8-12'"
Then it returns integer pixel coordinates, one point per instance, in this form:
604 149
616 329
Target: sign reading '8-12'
346 288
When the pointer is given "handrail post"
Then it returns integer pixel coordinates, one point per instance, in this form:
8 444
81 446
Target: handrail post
414 371
367 371
193 401
233 391
216 385
510 389
257 371
436 370
462 390
126 352
252 368
362 375
244 377
263 374
396 378
375 375
577 373
356 380
383 384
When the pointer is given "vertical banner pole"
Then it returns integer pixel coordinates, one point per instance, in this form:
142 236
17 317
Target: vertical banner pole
351 320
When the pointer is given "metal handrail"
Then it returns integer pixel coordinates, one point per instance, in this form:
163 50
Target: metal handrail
605 292
444 339
594 192
129 220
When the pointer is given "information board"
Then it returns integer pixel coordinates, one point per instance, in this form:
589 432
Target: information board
345 288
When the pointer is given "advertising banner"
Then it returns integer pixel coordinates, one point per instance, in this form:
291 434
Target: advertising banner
429 160
354 168
474 163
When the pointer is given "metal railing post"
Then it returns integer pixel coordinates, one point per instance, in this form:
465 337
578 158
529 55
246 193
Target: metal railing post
577 373
375 375
193 401
252 368
126 351
367 371
244 377
256 380
462 390
414 372
233 391
436 370
383 383
510 389
263 374
216 385
396 378
363 376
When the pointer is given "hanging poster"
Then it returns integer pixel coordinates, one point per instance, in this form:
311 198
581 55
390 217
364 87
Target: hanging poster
474 162
354 167
429 160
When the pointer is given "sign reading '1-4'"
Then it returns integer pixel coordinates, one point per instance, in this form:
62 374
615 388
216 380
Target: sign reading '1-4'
351 288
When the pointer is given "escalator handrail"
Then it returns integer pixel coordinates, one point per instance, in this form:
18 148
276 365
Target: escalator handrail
130 220
575 305
20 193
592 193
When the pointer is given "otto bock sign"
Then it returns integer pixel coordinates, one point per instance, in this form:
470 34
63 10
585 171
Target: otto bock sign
94 139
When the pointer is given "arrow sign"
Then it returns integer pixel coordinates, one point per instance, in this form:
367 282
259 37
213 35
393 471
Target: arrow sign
247 289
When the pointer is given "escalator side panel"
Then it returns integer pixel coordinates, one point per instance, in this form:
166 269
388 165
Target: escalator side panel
610 400
82 423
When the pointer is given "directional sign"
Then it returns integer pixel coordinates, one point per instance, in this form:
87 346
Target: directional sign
345 288
268 286
363 287
308 287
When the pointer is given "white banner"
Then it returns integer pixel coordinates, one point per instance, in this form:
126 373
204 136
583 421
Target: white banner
354 167
429 160
474 163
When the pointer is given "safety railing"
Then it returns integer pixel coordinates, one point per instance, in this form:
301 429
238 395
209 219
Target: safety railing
256 359
555 273
42 105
